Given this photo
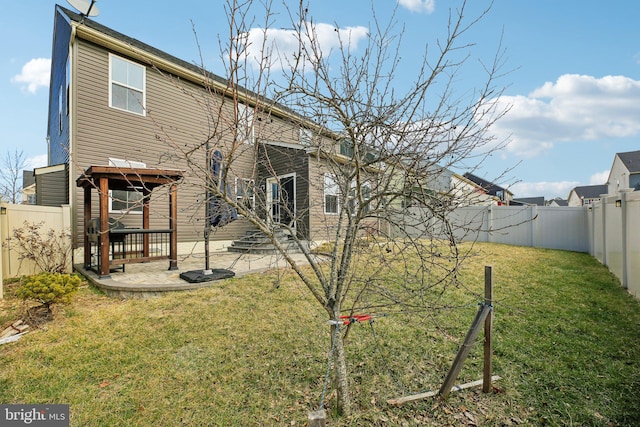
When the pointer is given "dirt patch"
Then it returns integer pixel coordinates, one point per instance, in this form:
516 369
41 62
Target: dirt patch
38 315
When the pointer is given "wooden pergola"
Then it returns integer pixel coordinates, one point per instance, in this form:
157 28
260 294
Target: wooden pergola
144 180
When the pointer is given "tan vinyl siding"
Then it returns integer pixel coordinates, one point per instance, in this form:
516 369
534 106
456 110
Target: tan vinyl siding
176 121
51 188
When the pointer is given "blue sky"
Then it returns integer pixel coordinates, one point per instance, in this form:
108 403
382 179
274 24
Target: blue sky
574 88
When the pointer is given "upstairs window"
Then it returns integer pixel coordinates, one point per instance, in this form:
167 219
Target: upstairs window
346 148
126 85
306 136
245 124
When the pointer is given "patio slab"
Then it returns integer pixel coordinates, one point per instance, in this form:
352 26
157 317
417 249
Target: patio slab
154 278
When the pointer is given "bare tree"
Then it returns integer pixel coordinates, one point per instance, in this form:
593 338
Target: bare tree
376 146
13 162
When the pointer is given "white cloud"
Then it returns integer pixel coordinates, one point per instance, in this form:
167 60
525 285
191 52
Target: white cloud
281 45
35 162
574 108
427 6
34 74
549 190
599 178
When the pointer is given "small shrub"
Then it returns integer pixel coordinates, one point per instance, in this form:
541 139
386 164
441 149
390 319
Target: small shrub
50 250
49 288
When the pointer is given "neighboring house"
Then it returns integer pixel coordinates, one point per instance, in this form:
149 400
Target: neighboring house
504 195
51 185
528 201
557 202
444 185
625 172
28 188
586 195
467 192
115 100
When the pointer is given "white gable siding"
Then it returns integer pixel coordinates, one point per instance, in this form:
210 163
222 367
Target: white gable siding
618 177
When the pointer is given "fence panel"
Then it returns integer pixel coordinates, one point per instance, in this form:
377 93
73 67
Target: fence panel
597 232
544 227
613 242
14 216
633 242
562 228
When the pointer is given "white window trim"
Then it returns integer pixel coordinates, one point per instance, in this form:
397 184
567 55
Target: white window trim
249 183
246 123
144 86
122 163
325 193
134 211
351 198
305 136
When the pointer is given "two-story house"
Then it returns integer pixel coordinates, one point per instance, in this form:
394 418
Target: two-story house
586 195
504 195
117 101
625 172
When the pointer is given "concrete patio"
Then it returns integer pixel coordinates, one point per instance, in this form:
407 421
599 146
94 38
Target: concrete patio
153 278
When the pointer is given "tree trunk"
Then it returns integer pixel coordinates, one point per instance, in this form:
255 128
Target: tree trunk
342 378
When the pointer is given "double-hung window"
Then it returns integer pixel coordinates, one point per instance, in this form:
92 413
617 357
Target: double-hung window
127 82
331 191
306 136
126 201
365 189
245 194
130 200
245 124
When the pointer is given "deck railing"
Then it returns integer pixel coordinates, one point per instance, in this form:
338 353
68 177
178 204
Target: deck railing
133 245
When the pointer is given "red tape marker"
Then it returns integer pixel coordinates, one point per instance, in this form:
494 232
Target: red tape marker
356 318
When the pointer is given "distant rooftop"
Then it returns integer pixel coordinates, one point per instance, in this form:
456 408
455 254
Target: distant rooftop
535 201
631 160
591 191
488 186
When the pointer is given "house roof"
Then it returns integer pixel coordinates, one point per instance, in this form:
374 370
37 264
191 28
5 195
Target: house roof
591 191
536 201
28 178
197 74
631 160
488 186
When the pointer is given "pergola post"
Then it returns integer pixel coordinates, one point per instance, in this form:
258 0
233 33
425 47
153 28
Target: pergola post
87 219
103 192
173 225
145 221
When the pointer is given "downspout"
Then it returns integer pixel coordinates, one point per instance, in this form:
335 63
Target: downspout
73 220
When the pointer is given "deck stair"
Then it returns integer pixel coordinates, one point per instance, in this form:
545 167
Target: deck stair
257 242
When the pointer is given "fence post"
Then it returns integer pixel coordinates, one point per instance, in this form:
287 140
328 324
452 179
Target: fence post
603 236
3 214
625 241
488 325
533 212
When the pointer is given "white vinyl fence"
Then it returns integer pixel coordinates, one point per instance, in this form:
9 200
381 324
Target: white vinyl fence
537 226
12 217
614 225
610 230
